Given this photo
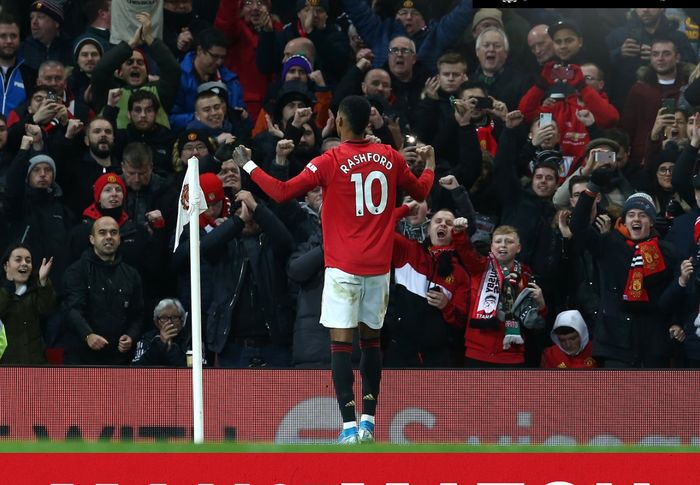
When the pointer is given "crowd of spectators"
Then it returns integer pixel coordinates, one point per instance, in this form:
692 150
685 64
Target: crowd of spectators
562 230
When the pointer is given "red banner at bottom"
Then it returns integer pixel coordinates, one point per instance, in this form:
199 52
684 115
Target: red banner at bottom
351 468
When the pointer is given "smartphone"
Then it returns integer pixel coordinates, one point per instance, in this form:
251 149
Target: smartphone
483 102
604 157
635 33
409 141
545 119
435 288
669 105
455 106
52 96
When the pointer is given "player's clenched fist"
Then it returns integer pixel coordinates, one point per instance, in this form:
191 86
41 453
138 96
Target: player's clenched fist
241 155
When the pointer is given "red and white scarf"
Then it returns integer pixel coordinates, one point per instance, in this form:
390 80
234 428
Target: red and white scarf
647 260
483 315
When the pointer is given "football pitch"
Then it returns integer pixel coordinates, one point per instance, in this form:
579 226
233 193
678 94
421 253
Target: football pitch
182 447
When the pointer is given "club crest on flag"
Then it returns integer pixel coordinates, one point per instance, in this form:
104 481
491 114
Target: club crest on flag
185 197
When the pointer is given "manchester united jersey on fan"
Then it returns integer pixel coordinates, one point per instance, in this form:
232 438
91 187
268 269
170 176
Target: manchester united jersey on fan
359 181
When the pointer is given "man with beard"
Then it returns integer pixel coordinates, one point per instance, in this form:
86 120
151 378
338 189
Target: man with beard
131 64
17 77
662 79
143 107
146 204
103 302
84 164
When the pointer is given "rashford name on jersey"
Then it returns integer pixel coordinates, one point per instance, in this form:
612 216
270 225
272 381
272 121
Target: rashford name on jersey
359 158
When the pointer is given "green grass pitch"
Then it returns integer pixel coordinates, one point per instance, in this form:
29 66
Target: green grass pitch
182 447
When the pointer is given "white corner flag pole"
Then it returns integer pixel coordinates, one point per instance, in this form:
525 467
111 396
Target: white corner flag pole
196 296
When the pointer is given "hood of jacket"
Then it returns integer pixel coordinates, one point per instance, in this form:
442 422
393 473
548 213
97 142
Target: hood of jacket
573 319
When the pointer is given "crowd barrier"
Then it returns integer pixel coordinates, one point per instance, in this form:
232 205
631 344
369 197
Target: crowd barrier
299 406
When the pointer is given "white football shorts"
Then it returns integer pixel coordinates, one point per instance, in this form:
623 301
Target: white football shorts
349 299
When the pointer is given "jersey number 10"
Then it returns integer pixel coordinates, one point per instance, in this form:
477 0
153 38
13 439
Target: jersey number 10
363 193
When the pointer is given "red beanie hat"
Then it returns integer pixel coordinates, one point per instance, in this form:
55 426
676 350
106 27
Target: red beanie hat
104 179
212 186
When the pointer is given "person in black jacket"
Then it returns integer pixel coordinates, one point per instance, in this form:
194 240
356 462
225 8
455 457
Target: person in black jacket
34 208
103 302
143 108
249 323
329 41
633 326
166 344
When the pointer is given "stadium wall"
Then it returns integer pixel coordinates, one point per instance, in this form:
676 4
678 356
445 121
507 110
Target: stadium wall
298 406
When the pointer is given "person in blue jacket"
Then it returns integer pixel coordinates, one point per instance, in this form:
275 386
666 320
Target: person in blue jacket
203 65
431 37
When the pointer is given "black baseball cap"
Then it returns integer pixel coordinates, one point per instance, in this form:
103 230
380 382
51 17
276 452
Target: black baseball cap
564 24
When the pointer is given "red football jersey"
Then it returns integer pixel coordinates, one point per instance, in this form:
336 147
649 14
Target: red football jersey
359 181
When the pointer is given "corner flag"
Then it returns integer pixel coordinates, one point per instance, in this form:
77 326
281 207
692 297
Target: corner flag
186 207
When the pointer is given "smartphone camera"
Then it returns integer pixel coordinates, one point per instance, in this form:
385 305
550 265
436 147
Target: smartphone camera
635 34
483 102
604 157
456 106
669 105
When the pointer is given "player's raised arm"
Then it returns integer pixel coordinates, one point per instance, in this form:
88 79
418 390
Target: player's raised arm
278 190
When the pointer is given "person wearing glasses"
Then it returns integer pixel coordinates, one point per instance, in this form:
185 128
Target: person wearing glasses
411 18
133 70
166 344
408 76
203 65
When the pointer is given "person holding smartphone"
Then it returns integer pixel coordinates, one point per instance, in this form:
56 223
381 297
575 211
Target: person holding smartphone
662 79
564 90
601 153
630 47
